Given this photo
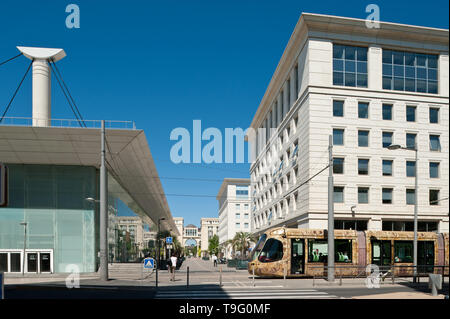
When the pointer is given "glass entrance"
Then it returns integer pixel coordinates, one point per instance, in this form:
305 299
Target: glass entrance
32 262
297 256
381 252
44 262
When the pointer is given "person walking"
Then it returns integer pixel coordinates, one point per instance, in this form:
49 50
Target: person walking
172 267
214 259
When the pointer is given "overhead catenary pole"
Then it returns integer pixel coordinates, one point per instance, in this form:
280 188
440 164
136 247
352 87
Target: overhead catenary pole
330 213
416 191
103 210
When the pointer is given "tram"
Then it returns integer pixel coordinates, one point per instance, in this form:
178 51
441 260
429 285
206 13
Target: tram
296 252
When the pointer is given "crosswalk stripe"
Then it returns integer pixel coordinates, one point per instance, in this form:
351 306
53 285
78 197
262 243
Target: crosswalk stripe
245 294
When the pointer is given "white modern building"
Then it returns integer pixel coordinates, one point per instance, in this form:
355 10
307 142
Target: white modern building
234 209
368 88
209 226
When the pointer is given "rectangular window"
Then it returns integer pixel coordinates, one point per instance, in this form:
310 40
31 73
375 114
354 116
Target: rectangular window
317 250
343 250
338 136
238 215
410 197
387 167
246 215
338 165
363 195
434 169
246 225
363 166
387 111
349 65
411 140
434 197
338 194
410 168
410 113
403 251
427 226
363 138
435 144
387 195
338 108
363 110
238 225
238 206
360 225
296 82
387 139
434 115
413 72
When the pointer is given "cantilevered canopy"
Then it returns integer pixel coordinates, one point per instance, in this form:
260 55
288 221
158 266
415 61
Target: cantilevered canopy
135 179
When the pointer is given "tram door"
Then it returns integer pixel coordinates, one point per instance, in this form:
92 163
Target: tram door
297 256
381 252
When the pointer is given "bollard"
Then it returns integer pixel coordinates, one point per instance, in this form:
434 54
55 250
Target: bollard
220 276
187 281
435 283
253 276
284 274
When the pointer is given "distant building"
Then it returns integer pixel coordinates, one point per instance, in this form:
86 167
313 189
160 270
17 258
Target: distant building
234 209
208 228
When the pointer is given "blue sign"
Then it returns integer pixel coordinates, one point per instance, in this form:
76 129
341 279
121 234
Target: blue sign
168 240
149 263
2 291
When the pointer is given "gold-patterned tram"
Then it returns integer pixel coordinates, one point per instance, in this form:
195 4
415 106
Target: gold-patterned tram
303 252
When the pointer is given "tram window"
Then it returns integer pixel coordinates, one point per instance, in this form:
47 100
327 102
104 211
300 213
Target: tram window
403 251
343 248
272 251
317 250
258 247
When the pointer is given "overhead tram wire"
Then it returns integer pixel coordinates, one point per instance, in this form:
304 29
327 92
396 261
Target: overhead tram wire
17 90
68 92
10 59
80 120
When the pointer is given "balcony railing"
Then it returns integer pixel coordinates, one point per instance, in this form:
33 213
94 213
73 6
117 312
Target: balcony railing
96 124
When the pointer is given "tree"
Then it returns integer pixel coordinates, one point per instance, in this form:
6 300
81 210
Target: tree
213 245
242 242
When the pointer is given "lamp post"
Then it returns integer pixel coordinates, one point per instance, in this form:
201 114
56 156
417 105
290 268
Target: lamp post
416 185
24 245
158 255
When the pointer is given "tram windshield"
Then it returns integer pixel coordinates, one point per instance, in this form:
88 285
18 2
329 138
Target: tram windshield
258 247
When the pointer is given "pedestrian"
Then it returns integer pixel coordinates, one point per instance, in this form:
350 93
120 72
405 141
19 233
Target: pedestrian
214 259
172 267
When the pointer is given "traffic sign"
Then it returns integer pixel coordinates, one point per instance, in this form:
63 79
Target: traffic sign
169 246
169 240
149 263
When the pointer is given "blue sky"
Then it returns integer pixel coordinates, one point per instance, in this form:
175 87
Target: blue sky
164 64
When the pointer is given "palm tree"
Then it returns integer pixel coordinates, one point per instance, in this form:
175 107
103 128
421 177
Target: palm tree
242 241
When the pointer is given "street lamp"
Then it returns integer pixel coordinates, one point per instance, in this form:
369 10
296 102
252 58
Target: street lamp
24 245
158 256
396 147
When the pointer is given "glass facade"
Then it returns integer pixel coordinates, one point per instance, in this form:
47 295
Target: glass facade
51 199
413 72
349 65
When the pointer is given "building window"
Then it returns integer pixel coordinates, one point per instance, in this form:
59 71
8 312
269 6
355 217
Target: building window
349 65
387 167
410 168
410 113
317 250
338 136
338 165
363 195
413 72
387 111
411 140
434 169
410 196
398 225
387 195
363 138
387 139
338 108
245 225
434 115
434 197
363 110
238 206
435 144
360 225
246 215
238 225
338 194
427 226
363 166
343 250
238 215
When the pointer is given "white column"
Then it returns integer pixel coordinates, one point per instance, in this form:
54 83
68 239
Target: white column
375 67
41 93
443 74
